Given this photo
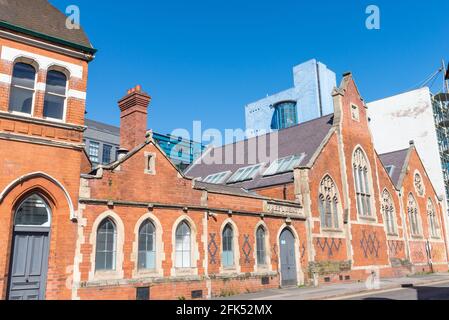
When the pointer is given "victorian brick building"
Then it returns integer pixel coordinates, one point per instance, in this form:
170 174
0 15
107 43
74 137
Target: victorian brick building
327 208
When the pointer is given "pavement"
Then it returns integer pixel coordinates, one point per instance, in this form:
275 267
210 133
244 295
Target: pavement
342 291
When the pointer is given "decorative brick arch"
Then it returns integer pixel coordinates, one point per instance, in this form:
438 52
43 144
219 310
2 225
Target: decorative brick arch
61 208
20 182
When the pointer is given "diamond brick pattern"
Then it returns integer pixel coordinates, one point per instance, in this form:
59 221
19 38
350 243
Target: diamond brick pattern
247 249
212 248
330 244
370 244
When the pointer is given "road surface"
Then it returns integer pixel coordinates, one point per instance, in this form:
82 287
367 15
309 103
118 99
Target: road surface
438 291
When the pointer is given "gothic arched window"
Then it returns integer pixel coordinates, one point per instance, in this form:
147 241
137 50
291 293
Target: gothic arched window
147 246
388 212
260 246
419 187
106 246
362 183
413 215
433 220
328 204
228 246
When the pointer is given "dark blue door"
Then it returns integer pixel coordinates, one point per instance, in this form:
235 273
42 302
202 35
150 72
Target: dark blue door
288 259
28 271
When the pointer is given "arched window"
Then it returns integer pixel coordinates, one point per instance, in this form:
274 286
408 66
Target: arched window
388 212
413 215
22 88
433 220
285 115
328 204
362 183
183 246
147 246
260 246
419 187
106 246
55 95
228 247
33 211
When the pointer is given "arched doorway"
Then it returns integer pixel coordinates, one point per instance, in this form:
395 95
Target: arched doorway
289 275
30 246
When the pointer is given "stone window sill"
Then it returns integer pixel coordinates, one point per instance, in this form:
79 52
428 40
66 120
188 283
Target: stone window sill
367 218
392 234
107 275
185 271
332 230
417 237
150 273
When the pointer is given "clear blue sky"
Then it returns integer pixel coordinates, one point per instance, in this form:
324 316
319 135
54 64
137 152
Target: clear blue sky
205 59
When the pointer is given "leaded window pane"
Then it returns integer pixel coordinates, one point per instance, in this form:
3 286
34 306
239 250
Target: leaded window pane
362 183
182 246
228 253
328 203
260 243
147 246
106 246
32 212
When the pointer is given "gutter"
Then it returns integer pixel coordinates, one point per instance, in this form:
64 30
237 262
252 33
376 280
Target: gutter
43 36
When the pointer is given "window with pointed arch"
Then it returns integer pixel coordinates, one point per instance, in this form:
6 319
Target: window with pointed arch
228 246
328 204
147 246
183 246
106 246
389 212
419 187
260 246
433 220
413 216
362 183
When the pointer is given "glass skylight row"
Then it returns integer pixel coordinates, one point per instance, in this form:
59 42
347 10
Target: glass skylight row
217 177
283 165
244 174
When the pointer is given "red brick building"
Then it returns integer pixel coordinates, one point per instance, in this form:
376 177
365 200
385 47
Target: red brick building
328 208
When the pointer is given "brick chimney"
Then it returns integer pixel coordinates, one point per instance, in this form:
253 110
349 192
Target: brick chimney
133 117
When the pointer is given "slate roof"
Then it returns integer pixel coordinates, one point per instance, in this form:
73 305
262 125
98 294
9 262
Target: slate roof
102 126
397 160
304 138
41 17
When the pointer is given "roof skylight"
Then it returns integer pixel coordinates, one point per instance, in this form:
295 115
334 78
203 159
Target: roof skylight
244 174
284 165
217 178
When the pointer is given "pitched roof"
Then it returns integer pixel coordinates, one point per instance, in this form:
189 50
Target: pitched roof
39 16
100 126
396 159
303 139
